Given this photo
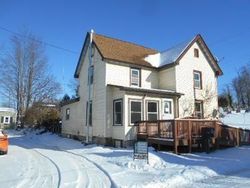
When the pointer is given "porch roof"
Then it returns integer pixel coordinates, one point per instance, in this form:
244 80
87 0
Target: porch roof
150 91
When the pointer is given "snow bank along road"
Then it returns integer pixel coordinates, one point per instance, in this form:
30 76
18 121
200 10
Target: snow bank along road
50 161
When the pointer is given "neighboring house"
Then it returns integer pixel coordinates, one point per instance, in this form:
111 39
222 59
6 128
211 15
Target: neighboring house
122 83
7 117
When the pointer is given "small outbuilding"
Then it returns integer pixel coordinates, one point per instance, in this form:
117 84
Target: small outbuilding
7 117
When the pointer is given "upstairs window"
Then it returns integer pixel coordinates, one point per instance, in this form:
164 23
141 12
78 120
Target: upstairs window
91 75
198 109
135 77
196 52
67 113
117 112
197 80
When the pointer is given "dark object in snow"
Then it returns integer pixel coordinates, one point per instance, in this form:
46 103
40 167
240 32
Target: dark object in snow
207 134
41 132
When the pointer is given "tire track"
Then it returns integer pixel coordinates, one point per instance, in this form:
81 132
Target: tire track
50 160
55 165
113 184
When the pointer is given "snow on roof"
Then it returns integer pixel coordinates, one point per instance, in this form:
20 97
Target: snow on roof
168 56
171 55
5 109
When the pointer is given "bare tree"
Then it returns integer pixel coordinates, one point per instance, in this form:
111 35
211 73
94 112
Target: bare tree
74 87
24 75
241 86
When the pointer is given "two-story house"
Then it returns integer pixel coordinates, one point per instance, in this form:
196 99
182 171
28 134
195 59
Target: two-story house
122 83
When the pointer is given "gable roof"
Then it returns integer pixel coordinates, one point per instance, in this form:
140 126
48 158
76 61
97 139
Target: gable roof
127 52
117 50
173 55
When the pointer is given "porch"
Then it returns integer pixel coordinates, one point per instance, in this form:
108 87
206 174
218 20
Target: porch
191 133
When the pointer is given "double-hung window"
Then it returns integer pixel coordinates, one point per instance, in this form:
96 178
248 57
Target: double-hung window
135 111
67 113
89 113
7 120
152 110
117 116
199 109
91 75
135 77
197 80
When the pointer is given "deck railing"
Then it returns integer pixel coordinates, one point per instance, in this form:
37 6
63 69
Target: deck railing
191 130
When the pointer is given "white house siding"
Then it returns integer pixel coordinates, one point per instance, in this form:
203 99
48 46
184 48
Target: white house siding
149 79
116 132
98 92
74 125
185 81
117 74
99 97
167 79
120 75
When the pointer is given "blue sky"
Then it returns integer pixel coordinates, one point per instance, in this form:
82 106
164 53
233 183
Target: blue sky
224 25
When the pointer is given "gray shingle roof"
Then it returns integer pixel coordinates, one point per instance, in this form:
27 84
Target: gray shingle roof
171 55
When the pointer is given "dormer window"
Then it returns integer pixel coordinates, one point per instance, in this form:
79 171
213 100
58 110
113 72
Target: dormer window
135 77
196 52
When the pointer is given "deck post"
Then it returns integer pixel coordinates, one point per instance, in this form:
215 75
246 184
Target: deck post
216 134
175 137
189 136
158 123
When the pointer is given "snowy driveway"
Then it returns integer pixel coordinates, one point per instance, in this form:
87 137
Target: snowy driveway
31 163
49 161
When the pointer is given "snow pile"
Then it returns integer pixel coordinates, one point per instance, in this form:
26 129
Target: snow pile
234 119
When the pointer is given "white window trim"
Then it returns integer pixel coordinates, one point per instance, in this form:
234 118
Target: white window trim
134 100
163 105
139 76
4 120
198 73
201 108
115 101
157 108
67 114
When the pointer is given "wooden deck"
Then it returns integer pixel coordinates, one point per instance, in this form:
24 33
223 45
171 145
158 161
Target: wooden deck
191 133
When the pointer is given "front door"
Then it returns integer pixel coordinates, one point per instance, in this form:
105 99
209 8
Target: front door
167 109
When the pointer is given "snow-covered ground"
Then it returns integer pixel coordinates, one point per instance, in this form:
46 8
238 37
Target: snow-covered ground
241 119
48 160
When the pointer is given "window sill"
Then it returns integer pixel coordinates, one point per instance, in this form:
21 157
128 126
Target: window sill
198 88
116 125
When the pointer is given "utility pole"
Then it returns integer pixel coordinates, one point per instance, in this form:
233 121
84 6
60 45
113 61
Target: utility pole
89 84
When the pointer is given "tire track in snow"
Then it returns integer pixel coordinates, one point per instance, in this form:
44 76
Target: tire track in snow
55 165
113 184
50 160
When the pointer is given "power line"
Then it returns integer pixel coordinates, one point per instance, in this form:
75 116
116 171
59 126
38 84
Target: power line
44 42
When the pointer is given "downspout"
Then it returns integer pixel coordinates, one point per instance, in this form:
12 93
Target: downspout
89 84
